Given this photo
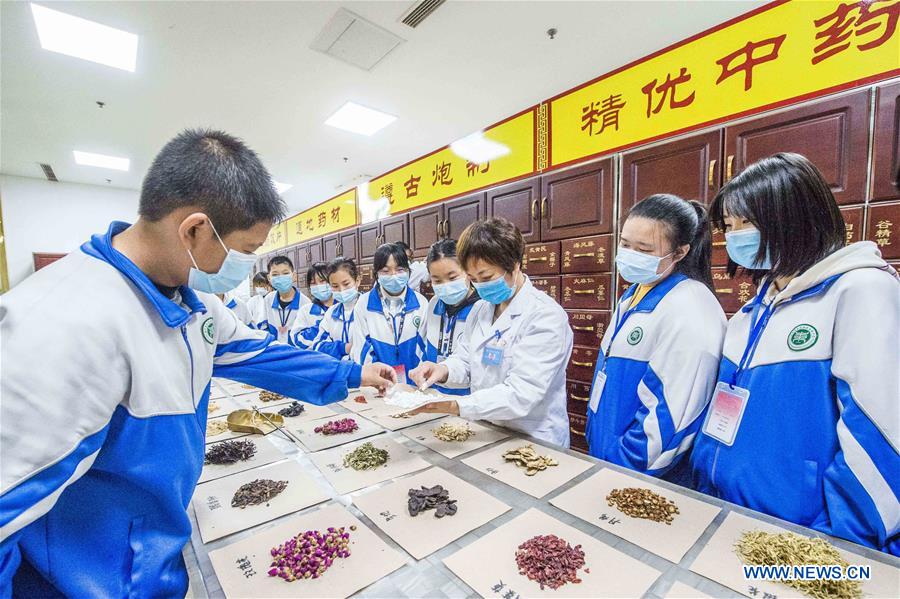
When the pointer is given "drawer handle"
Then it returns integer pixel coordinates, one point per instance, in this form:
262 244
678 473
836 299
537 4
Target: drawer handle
728 290
579 398
712 170
544 208
534 204
718 243
583 364
577 328
582 291
574 432
541 259
587 255
729 167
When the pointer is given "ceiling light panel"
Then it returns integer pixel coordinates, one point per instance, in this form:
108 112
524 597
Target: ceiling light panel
74 36
359 119
101 161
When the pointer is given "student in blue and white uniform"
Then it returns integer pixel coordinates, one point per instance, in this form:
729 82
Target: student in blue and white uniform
660 355
336 327
260 287
804 423
517 342
389 316
236 305
103 435
281 306
306 326
448 310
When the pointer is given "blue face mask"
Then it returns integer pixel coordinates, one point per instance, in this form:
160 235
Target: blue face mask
638 267
453 292
743 246
394 284
282 283
346 295
321 292
234 270
496 291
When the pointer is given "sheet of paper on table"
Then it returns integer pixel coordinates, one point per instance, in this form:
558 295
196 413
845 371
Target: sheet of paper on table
222 407
484 435
304 431
345 479
310 411
212 500
720 563
679 590
423 534
389 417
242 568
266 453
228 434
587 500
491 462
217 391
367 393
251 399
236 388
488 565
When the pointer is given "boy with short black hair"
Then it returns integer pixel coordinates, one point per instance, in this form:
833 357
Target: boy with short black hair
103 437
280 307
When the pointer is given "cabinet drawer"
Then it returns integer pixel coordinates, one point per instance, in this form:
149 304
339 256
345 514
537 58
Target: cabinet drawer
541 259
853 222
719 253
591 292
587 254
366 277
581 364
549 285
578 395
732 293
588 327
577 439
884 220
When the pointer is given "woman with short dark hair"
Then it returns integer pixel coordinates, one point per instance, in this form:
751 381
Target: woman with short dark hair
803 424
389 316
517 342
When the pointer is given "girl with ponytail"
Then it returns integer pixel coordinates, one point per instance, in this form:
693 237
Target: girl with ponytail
659 357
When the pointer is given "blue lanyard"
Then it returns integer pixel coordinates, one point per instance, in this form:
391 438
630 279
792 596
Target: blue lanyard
447 330
345 336
284 316
757 326
397 333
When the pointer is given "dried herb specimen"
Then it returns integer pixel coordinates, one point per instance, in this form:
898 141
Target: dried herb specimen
309 554
403 415
360 399
259 491
266 396
212 407
549 561
453 432
436 498
366 457
335 427
295 409
229 452
526 457
215 427
643 503
758 548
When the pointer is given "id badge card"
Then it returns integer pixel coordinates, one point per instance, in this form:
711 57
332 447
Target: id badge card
597 390
282 330
492 355
400 369
725 413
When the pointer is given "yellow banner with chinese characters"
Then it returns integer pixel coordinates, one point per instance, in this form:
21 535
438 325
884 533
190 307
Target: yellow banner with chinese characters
331 215
277 239
445 173
783 52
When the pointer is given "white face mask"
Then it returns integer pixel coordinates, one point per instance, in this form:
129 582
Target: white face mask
234 270
260 290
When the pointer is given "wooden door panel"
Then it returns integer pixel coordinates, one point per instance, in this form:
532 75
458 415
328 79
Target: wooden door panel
577 201
518 203
886 154
462 212
425 228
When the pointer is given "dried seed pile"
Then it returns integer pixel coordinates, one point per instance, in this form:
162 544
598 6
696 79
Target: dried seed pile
643 503
366 457
212 407
309 554
453 432
758 548
526 457
216 427
403 415
335 427
259 491
436 498
549 561
229 452
360 399
266 396
295 409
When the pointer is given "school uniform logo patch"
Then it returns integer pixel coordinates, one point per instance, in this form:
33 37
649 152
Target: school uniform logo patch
635 336
417 321
801 337
208 328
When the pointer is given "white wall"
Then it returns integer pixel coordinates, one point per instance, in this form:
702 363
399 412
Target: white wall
41 216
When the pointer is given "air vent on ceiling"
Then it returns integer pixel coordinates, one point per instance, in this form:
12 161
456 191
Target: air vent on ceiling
420 12
354 40
48 172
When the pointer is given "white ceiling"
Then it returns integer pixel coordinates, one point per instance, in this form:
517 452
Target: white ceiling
246 67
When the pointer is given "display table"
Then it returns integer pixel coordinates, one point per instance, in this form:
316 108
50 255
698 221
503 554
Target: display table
701 516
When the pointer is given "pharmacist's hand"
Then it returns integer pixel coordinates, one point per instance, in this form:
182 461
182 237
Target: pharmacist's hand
428 373
437 407
380 376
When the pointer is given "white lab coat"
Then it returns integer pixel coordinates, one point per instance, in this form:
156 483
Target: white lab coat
418 274
527 391
239 307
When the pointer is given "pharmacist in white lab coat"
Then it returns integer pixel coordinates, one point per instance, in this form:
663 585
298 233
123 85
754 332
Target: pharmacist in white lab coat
260 287
418 270
517 342
236 305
